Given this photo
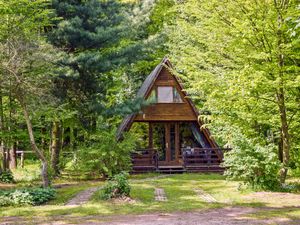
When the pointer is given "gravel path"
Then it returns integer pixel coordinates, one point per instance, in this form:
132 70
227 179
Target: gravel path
222 216
205 196
160 195
82 197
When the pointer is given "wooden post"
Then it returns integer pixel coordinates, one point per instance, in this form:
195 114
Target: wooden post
150 136
22 160
177 142
168 142
6 159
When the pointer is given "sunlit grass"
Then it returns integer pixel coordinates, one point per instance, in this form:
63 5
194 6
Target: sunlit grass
292 213
178 188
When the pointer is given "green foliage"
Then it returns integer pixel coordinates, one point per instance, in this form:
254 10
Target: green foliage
117 186
241 65
103 154
254 165
28 196
6 177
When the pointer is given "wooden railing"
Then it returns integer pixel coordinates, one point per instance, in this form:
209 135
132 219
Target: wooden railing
145 158
202 156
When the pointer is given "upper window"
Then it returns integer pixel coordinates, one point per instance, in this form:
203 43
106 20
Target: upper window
176 96
165 94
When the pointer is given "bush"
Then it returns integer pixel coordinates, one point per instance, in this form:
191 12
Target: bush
117 187
103 154
26 196
255 165
6 177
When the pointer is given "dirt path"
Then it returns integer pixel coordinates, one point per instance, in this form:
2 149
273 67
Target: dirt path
222 216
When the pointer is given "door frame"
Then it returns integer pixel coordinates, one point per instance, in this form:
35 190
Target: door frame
168 161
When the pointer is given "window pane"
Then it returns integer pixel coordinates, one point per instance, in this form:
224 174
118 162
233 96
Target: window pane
165 94
152 97
177 97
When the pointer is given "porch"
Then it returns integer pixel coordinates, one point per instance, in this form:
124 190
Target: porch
174 147
193 160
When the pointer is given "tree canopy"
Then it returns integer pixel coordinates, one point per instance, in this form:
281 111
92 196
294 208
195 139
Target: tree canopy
69 71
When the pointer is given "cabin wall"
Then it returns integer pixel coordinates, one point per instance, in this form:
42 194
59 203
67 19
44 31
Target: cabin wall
167 111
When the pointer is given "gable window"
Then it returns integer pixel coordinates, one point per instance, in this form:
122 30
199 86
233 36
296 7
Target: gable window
176 96
165 94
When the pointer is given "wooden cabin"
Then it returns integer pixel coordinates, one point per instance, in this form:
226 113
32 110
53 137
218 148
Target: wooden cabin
173 137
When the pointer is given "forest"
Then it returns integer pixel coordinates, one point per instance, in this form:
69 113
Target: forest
70 71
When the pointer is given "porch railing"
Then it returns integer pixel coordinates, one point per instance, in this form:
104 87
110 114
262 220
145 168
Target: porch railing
147 159
202 156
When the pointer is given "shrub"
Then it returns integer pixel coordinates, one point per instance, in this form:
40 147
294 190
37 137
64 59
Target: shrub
103 154
117 187
5 201
255 165
6 177
26 196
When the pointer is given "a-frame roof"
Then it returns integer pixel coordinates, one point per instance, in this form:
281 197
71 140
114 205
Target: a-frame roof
146 88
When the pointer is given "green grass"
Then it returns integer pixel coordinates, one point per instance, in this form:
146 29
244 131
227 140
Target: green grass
290 213
179 190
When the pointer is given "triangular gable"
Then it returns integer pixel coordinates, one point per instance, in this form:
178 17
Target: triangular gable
144 92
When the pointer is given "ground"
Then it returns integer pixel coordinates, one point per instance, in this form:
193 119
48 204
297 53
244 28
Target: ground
235 204
220 216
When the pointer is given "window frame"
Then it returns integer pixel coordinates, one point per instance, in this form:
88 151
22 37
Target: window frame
173 95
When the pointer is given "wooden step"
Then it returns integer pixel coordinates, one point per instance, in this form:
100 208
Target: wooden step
171 169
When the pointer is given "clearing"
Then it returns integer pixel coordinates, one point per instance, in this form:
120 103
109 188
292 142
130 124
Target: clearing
232 205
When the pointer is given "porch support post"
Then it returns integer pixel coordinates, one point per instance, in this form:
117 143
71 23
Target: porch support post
150 136
177 142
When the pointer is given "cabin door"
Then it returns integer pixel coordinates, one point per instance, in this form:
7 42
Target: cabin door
169 143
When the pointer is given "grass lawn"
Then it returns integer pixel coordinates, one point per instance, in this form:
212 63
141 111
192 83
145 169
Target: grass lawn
180 193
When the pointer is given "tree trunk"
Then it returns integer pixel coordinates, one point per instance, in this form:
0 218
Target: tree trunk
284 136
284 129
55 147
13 156
280 152
2 150
39 153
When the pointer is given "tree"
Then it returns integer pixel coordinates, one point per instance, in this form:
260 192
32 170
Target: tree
241 63
24 60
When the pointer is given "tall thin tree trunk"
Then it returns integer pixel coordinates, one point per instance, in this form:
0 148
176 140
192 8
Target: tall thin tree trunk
2 150
280 152
55 147
13 156
285 139
39 153
284 129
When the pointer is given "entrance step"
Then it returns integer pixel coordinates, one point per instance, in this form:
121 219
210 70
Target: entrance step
205 168
171 169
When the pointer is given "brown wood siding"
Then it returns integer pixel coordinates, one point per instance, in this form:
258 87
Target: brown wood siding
167 112
164 75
